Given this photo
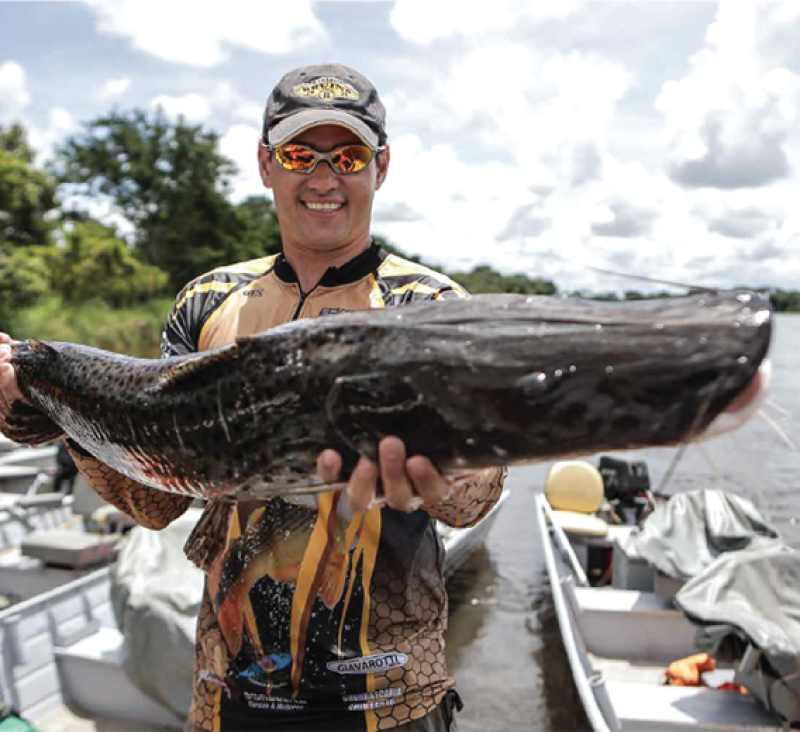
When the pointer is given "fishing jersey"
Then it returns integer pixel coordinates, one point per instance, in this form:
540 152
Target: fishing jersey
313 617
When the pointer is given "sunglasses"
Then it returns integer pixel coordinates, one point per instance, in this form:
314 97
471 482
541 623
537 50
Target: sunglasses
345 160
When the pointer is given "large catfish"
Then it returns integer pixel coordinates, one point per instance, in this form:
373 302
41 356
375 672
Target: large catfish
492 380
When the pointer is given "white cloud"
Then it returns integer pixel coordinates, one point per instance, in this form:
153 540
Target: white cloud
552 112
423 22
60 124
458 208
729 118
201 33
532 208
115 88
102 209
240 144
749 222
226 98
14 96
193 107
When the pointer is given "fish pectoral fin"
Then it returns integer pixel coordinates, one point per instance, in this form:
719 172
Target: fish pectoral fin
187 369
349 405
362 408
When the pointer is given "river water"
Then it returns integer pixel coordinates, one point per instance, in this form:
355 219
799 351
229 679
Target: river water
503 644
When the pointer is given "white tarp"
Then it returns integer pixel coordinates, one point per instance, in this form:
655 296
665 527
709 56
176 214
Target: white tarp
685 535
156 594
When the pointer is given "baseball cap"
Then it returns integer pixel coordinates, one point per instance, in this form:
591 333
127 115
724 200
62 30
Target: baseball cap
324 94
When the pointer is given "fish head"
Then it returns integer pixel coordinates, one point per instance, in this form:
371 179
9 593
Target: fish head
545 377
655 372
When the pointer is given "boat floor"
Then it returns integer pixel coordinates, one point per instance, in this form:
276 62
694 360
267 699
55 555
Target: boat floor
642 672
71 719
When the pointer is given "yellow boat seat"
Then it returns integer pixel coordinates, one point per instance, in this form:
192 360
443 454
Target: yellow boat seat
574 489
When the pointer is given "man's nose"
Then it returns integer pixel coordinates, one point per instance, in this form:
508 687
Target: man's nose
323 179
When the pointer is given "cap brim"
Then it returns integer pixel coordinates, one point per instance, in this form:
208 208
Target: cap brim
287 129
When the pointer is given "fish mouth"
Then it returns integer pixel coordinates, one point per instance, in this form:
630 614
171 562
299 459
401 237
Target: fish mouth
744 405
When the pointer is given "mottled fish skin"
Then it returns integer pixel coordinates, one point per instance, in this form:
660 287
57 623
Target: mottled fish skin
492 380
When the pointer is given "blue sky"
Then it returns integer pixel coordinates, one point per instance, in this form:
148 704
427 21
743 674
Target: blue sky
657 138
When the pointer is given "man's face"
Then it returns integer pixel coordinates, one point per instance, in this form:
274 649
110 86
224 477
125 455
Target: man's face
305 223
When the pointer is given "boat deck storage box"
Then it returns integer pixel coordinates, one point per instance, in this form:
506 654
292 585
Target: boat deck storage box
630 570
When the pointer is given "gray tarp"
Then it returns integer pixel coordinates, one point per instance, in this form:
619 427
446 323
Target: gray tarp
682 537
752 597
742 588
156 594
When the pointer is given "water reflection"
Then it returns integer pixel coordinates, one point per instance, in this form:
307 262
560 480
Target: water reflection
471 595
564 707
503 646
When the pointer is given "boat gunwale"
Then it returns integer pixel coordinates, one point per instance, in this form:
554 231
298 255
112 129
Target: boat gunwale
587 689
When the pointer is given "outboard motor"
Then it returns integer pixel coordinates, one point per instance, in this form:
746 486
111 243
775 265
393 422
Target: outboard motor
625 485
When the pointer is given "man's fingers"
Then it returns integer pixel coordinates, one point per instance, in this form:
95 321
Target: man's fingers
5 338
396 486
8 382
362 484
329 465
430 485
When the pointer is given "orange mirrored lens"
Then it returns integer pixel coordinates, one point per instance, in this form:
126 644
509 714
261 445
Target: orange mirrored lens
296 157
351 159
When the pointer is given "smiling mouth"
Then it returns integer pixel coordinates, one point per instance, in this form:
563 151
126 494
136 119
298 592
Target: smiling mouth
327 207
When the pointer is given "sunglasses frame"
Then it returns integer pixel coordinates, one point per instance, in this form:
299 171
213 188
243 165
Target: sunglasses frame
326 156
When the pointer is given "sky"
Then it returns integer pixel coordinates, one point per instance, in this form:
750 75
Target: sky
658 139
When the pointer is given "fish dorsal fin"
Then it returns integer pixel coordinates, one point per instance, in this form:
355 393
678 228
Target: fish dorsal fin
181 374
40 346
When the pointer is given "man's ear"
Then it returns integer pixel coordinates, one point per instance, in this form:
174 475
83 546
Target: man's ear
264 163
382 164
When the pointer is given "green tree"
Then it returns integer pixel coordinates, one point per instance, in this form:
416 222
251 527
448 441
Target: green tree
260 231
484 279
95 264
785 301
168 179
27 195
392 249
24 279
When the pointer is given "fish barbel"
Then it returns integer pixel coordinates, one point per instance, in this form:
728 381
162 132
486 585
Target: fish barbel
490 380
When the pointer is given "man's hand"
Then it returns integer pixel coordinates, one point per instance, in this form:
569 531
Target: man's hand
9 390
408 483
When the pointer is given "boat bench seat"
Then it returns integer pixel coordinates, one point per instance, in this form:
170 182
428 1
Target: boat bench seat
635 625
641 706
68 548
95 679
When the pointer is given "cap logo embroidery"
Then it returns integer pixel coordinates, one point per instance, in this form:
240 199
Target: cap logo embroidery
326 89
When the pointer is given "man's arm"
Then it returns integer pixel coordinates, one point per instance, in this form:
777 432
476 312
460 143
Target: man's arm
472 496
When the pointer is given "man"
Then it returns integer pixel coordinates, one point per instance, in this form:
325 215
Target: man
331 617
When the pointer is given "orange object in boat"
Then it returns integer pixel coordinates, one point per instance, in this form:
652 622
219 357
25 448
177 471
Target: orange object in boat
731 686
686 671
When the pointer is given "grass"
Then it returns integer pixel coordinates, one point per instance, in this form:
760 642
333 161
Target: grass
134 331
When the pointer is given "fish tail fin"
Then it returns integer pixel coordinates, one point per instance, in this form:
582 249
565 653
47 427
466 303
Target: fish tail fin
29 426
